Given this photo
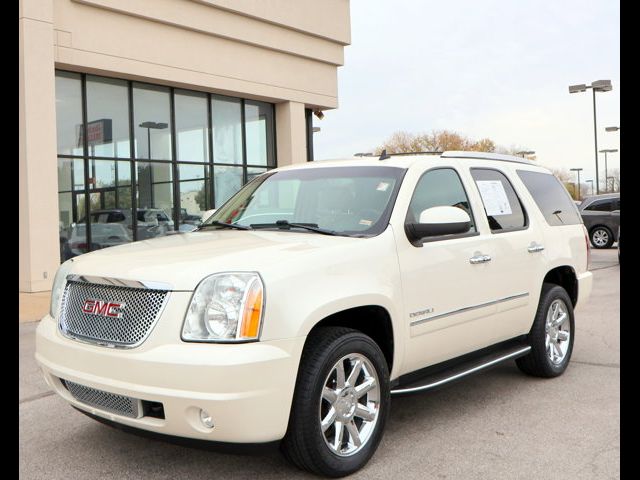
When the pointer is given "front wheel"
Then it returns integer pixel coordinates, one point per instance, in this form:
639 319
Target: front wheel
340 405
552 334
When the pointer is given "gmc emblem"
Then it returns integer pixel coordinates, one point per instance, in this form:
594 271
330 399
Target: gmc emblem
104 308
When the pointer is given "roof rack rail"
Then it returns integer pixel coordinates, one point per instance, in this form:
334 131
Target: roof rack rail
413 153
486 156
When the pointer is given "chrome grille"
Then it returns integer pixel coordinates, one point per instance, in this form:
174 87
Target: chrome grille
119 404
142 307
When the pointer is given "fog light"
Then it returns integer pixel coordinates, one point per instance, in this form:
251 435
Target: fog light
206 419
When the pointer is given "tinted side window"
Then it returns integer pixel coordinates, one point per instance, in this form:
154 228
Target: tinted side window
616 204
501 204
437 188
552 198
600 206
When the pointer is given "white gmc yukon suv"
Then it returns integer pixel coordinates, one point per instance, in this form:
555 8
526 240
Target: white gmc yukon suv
299 307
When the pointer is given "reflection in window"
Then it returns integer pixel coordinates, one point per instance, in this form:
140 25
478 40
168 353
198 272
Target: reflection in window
155 199
227 130
227 181
152 124
438 188
192 135
69 113
107 117
258 117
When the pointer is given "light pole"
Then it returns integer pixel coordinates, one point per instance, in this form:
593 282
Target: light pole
608 150
597 86
525 152
591 182
611 129
149 126
578 170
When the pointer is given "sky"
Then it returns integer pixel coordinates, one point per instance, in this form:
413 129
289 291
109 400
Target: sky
493 68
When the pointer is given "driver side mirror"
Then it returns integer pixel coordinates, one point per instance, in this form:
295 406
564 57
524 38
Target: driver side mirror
437 221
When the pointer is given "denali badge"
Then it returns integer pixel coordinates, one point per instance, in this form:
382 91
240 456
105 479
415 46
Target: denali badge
102 307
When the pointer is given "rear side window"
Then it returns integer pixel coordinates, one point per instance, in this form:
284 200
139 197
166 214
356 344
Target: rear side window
600 206
501 204
552 198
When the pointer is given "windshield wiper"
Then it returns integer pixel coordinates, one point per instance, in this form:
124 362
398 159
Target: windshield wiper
217 223
286 225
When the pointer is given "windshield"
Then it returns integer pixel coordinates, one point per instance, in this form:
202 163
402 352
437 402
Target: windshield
354 201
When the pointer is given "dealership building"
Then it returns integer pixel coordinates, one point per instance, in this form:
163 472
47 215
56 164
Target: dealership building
137 117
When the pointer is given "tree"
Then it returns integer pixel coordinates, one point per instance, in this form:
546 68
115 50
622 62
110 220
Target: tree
443 140
436 141
201 198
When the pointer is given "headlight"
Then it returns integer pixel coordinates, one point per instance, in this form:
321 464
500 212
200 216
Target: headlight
225 307
59 282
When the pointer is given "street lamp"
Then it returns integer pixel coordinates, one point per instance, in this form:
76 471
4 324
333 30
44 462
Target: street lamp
525 152
608 150
591 182
149 126
597 86
578 170
612 129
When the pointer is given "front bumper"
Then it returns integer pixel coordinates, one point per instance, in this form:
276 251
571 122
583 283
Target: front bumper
246 388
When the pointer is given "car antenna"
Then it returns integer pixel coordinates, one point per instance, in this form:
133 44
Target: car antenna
384 155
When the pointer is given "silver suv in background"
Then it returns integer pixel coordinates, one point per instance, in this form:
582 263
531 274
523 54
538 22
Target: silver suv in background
601 216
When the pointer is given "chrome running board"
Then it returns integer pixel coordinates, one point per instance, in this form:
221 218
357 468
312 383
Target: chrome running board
461 370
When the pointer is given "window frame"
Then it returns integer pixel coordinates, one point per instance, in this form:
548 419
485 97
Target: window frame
439 238
527 223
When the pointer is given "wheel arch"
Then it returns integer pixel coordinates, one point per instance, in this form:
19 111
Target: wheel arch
372 320
564 276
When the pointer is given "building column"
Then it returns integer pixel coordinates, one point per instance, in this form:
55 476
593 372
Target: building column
291 133
39 251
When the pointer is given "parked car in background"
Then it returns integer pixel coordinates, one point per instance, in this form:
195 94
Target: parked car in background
601 216
151 222
102 235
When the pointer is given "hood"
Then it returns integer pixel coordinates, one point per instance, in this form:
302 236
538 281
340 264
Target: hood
183 260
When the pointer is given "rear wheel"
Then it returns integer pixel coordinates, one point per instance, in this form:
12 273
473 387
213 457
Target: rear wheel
601 237
551 336
340 404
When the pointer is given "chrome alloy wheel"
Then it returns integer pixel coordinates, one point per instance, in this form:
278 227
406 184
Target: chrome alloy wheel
349 405
600 237
558 331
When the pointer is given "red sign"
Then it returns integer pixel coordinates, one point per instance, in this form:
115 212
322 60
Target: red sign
104 308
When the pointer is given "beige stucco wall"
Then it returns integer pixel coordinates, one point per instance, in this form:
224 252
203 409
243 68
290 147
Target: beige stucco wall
282 51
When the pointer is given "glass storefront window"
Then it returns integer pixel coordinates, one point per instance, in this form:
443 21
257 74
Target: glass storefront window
229 138
192 130
69 113
155 199
107 117
227 129
152 122
193 189
227 181
258 121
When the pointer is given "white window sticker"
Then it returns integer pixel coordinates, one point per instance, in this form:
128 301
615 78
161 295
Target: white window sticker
382 187
494 197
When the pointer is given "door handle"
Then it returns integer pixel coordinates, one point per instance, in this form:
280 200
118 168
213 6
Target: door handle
480 259
535 247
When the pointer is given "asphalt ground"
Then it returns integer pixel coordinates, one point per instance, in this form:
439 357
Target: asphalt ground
498 424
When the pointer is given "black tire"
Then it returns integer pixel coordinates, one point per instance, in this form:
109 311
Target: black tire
602 231
537 362
304 444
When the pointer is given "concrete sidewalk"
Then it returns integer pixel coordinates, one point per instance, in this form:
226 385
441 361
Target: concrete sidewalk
33 306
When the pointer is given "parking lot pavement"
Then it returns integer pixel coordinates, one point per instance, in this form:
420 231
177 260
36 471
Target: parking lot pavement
496 425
